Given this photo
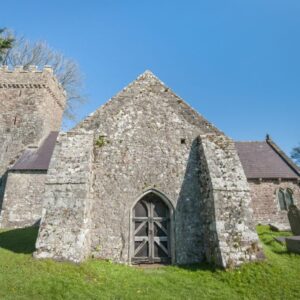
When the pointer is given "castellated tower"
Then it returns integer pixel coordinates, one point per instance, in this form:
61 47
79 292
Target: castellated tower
31 109
32 105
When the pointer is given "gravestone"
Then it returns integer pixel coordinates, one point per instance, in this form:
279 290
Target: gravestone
293 244
294 219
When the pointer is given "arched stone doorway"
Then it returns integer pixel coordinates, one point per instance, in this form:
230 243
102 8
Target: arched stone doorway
151 228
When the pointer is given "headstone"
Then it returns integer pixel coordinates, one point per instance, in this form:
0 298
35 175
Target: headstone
294 219
293 244
280 239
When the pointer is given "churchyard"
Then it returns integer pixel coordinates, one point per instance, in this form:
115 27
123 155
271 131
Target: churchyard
22 277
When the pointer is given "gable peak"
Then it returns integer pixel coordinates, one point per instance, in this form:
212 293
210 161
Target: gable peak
148 75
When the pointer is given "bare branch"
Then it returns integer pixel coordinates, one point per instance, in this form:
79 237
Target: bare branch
26 53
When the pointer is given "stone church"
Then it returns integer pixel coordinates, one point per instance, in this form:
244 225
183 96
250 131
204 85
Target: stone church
144 179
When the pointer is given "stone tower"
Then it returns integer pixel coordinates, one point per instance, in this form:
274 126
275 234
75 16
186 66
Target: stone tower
32 105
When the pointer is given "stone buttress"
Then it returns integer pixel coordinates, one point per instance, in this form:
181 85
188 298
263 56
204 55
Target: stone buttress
230 237
64 232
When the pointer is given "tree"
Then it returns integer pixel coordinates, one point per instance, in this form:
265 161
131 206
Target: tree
6 43
25 53
296 154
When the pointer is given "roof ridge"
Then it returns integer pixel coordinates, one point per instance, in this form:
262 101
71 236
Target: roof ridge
250 141
283 156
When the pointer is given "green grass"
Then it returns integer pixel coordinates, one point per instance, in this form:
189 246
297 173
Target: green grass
22 277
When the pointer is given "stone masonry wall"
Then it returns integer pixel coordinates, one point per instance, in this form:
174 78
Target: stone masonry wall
265 205
23 199
32 104
146 138
149 140
65 225
230 238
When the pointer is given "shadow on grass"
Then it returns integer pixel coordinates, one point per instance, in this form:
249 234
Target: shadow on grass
199 267
19 240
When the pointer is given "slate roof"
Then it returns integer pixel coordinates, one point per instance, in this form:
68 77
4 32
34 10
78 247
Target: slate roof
37 158
263 160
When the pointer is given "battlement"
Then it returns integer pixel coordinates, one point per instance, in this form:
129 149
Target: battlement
31 68
33 78
47 72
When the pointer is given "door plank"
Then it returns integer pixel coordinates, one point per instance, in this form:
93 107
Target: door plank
161 227
137 250
162 247
140 227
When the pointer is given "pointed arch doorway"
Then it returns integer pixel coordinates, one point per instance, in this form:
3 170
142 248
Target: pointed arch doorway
151 226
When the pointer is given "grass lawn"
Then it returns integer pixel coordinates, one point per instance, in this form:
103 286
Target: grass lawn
22 277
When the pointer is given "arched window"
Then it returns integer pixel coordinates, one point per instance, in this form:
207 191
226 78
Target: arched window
289 198
285 198
281 199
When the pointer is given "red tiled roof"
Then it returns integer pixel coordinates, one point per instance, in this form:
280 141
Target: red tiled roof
38 158
260 160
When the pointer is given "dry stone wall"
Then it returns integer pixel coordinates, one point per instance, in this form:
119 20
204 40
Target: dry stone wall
229 232
64 232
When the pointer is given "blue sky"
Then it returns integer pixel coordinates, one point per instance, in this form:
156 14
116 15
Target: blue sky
236 62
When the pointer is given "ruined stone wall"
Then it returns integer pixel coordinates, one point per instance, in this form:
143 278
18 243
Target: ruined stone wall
265 205
64 232
32 104
230 238
23 199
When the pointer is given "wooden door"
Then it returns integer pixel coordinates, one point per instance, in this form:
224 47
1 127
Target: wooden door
151 238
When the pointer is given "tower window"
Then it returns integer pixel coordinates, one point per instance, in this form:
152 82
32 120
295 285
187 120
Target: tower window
183 141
